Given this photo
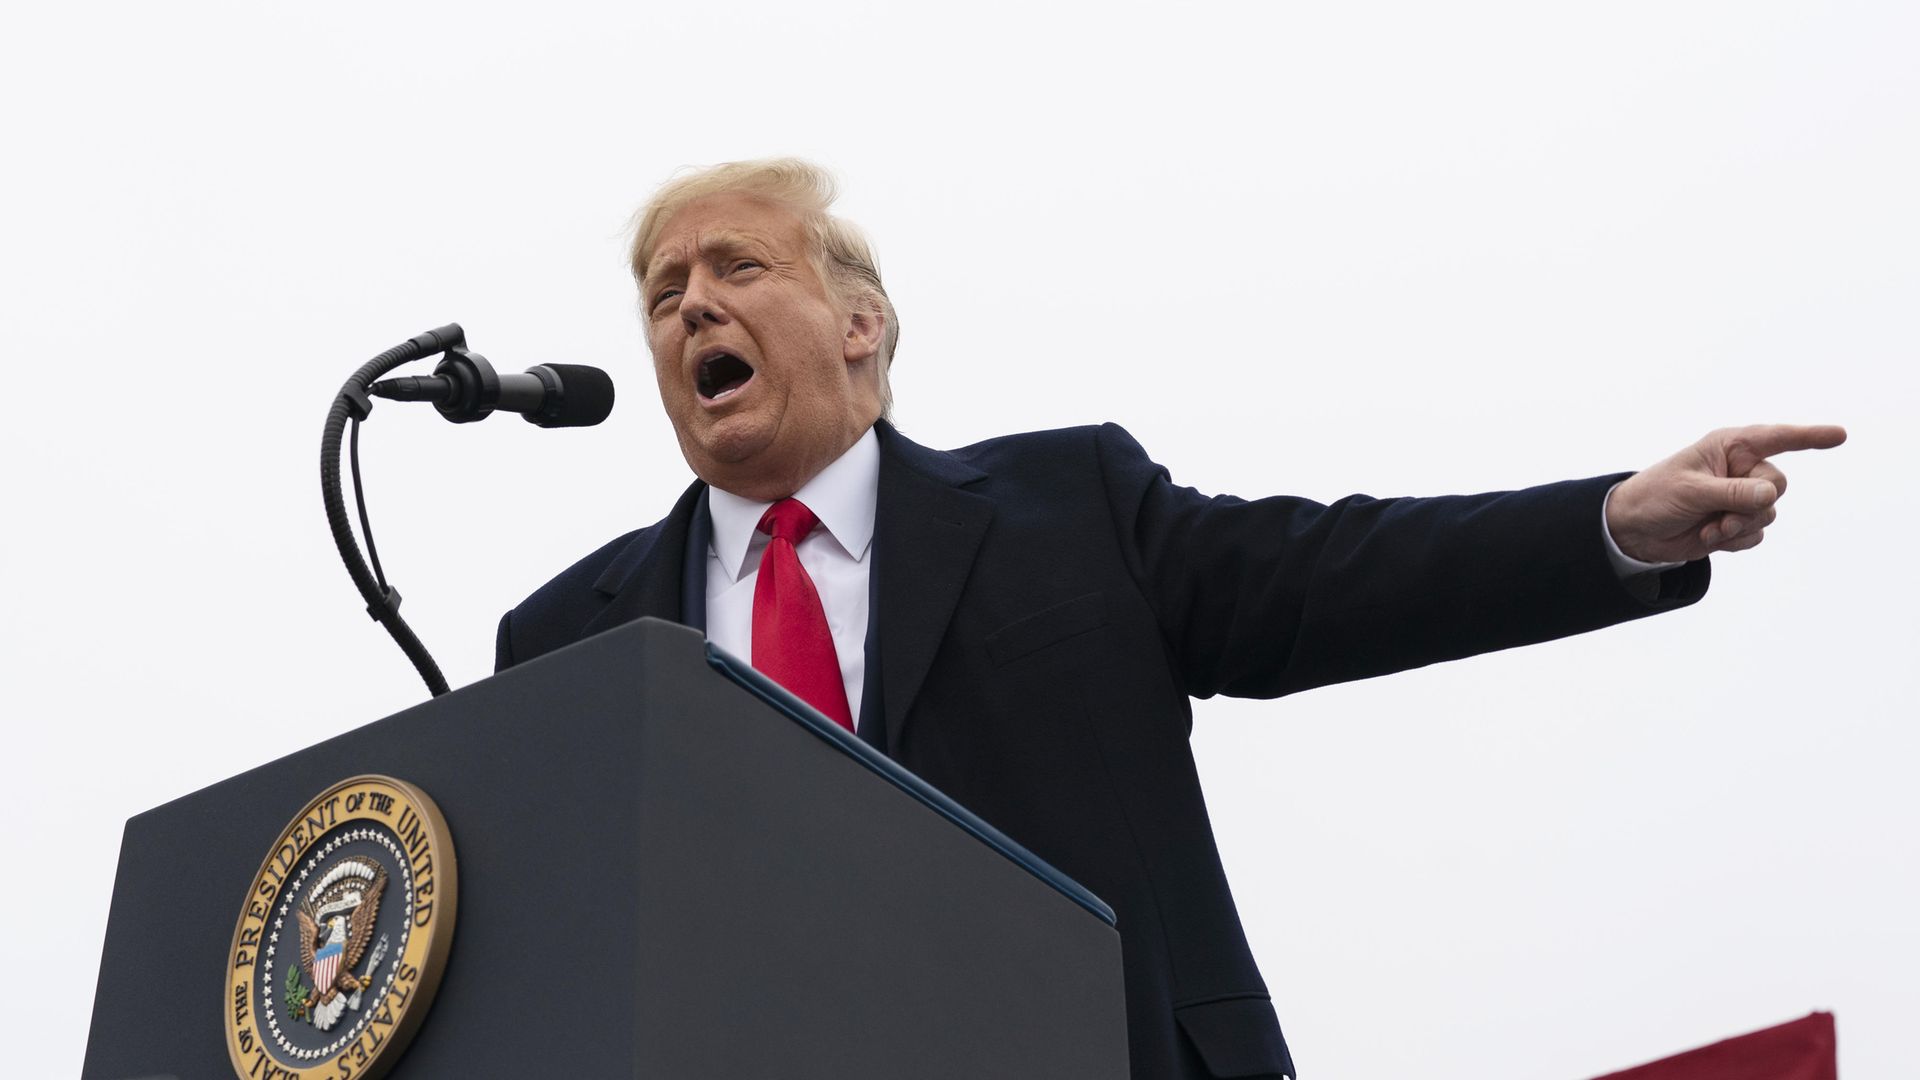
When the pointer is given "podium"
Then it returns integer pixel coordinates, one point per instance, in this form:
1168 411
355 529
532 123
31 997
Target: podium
668 867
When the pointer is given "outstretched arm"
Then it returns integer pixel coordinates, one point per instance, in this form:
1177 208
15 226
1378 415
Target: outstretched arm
1278 595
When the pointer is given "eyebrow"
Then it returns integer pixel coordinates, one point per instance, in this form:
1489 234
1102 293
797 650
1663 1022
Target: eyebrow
716 242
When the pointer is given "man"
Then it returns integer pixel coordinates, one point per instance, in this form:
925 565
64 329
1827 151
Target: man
1023 622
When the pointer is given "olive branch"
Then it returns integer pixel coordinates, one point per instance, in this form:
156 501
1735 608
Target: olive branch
295 994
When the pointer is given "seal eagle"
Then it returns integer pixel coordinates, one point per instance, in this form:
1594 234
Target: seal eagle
336 922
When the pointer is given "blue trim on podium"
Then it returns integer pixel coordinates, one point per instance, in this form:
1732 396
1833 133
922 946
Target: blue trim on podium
810 718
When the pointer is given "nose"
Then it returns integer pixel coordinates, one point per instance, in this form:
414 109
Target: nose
700 305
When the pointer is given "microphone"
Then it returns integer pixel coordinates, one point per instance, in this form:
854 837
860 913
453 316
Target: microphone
464 388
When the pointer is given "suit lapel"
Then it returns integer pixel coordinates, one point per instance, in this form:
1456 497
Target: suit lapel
927 530
646 578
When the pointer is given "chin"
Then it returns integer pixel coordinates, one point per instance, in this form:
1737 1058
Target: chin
728 443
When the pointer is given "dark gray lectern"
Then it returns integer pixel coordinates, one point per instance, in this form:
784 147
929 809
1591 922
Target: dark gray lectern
669 868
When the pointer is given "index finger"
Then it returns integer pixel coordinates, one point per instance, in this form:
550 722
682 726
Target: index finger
1766 440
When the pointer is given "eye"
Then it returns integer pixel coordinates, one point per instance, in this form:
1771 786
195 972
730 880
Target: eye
744 264
665 295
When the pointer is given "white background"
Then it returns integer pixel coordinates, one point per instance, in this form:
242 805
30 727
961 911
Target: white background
1393 248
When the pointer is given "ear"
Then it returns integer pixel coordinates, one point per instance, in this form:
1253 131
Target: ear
865 327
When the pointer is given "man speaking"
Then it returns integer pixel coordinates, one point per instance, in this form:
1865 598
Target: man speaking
1023 622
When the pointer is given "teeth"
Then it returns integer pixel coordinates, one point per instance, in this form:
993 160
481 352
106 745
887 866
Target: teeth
728 392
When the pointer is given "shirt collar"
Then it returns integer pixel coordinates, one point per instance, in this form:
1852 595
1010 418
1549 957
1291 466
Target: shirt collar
842 496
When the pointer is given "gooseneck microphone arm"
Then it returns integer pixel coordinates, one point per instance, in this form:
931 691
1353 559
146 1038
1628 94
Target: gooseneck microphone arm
353 404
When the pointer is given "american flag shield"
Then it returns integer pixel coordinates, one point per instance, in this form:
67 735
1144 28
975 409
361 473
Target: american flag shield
326 964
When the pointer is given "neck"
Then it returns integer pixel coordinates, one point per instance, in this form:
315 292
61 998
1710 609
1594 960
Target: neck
762 484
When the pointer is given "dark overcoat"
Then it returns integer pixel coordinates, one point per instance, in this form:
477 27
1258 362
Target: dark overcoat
1045 606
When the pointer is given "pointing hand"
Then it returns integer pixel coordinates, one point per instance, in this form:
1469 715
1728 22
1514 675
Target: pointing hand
1716 495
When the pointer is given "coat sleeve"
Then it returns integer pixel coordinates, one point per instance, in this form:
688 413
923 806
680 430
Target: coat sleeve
1267 597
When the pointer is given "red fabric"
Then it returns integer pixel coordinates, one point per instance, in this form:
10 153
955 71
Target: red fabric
1802 1049
791 642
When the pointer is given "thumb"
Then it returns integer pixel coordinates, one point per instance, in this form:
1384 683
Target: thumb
1737 494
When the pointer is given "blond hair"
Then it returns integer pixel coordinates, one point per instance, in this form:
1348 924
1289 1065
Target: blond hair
840 252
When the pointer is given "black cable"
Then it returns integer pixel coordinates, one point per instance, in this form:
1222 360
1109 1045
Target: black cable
352 402
360 501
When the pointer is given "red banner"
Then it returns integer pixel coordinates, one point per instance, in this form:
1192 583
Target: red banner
1802 1049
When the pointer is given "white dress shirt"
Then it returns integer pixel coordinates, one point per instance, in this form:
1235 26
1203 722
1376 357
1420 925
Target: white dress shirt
837 556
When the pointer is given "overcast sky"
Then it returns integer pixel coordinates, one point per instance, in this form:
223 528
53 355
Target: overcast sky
1402 248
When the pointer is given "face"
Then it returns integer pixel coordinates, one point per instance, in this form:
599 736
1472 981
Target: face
765 374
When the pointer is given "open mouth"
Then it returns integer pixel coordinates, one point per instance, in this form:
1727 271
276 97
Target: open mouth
722 375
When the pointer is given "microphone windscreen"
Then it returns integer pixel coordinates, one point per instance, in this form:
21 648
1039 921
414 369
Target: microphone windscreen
586 396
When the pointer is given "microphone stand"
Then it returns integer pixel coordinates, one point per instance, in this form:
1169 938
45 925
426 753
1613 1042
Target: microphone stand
353 403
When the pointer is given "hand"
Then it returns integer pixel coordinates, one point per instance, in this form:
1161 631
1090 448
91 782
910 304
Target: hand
1716 495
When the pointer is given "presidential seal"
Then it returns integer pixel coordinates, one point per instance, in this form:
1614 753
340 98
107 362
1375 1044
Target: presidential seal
342 936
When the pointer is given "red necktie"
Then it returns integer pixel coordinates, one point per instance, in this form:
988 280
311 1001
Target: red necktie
791 642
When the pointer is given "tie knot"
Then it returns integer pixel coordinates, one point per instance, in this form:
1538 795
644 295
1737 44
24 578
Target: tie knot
789 520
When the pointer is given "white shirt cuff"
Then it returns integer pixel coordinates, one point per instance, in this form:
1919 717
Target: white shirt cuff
1625 565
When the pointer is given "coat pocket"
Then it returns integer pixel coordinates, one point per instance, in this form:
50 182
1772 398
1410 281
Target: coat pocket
1043 628
1237 1037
